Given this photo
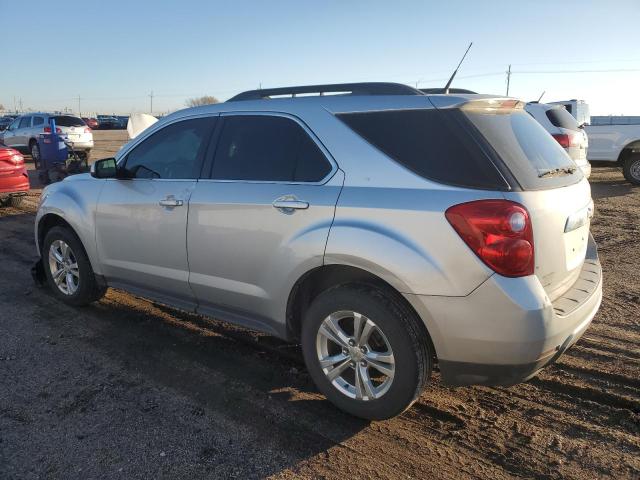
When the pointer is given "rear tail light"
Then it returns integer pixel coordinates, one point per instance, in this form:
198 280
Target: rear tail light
563 140
499 232
567 140
48 130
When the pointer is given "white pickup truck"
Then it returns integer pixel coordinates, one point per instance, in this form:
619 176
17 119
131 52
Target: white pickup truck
619 144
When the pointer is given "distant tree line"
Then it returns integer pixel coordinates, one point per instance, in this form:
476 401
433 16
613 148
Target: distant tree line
204 100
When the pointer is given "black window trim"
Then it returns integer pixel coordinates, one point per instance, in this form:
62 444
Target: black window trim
206 172
121 157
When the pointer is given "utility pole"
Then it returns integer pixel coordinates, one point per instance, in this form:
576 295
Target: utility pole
508 79
15 108
79 110
151 100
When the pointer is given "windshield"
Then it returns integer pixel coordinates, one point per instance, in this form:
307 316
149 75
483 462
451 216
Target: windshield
533 156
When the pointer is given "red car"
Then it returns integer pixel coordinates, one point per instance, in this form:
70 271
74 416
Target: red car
92 123
14 180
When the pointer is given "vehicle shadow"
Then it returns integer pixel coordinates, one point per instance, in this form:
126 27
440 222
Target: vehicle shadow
229 379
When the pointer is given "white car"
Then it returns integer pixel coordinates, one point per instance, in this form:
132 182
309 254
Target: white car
564 128
23 133
619 145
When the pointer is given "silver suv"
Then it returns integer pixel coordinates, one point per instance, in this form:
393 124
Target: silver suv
22 134
382 228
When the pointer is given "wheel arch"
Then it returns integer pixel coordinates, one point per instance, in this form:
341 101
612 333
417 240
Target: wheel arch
318 280
627 150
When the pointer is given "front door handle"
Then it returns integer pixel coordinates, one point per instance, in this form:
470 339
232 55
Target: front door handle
288 204
171 201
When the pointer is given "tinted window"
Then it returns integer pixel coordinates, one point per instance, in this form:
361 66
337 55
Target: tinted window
436 144
38 121
174 152
25 122
267 148
526 148
559 117
68 121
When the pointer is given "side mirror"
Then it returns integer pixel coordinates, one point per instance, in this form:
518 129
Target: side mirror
105 168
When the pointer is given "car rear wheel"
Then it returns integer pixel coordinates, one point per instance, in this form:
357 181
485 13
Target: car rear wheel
68 269
366 352
631 169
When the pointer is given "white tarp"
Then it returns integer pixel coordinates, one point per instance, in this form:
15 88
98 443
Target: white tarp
138 122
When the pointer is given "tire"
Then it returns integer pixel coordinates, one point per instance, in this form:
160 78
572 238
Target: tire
82 287
34 151
631 169
11 202
396 328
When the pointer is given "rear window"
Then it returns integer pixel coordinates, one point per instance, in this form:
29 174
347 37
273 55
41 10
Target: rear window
434 144
526 148
559 117
68 121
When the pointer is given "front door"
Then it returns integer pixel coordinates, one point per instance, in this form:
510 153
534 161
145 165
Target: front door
141 218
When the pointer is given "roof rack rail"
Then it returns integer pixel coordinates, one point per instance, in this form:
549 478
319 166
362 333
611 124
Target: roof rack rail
368 88
429 91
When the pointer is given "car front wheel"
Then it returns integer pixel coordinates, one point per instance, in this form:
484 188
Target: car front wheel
366 351
67 268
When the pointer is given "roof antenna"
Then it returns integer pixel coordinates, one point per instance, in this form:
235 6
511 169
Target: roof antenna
446 87
541 95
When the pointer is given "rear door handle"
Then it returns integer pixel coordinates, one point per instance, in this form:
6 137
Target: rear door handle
289 204
171 201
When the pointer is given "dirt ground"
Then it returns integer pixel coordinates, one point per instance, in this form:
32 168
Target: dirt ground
130 389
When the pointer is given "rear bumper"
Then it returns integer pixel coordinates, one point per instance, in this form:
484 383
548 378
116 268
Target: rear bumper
586 169
508 329
83 145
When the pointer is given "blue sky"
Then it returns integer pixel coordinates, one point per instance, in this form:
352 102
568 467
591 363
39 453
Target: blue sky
114 53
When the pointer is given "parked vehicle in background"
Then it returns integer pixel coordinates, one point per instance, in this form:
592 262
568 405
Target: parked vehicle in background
5 122
618 145
14 180
122 121
579 109
92 123
615 120
564 128
107 122
384 229
23 133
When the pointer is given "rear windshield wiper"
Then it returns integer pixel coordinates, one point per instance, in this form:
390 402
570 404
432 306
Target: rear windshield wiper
556 171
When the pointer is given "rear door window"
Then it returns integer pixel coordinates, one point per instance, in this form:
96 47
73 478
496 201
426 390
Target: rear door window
267 148
25 122
435 144
68 121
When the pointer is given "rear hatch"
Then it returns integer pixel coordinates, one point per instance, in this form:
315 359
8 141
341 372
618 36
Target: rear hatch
73 127
546 182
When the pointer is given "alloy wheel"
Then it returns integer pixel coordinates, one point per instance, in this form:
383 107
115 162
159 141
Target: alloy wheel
64 267
355 355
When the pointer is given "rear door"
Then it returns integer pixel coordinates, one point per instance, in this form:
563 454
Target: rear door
260 218
141 219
